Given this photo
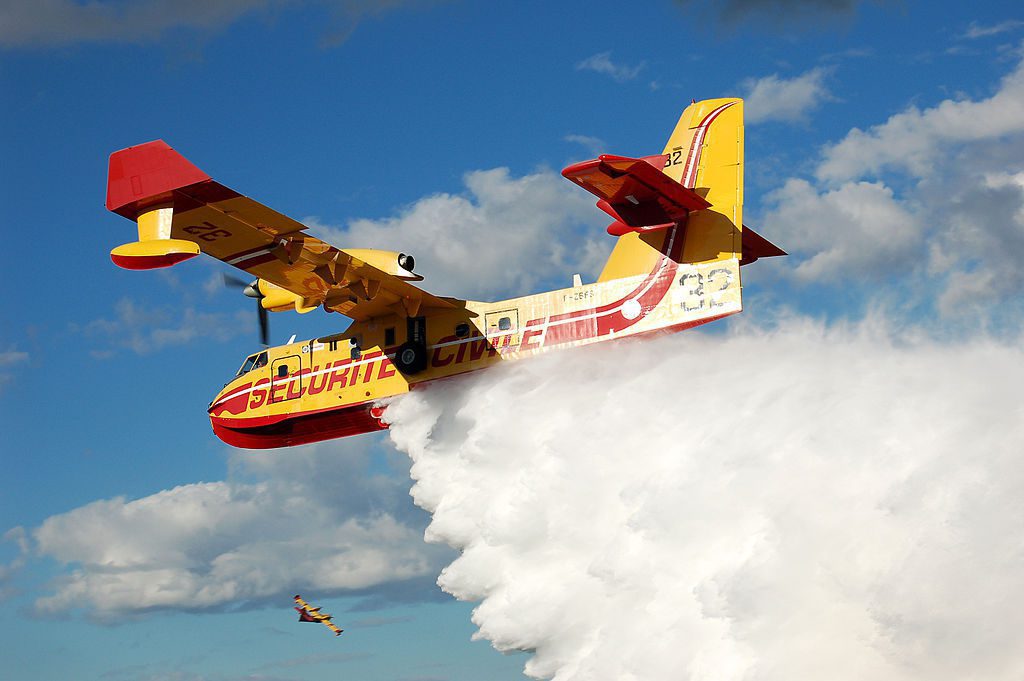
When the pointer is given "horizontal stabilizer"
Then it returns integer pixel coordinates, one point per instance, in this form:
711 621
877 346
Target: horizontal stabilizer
635 191
756 246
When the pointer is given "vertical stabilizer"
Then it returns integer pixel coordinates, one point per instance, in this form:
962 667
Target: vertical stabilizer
704 153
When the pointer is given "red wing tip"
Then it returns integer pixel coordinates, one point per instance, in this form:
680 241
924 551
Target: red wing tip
145 172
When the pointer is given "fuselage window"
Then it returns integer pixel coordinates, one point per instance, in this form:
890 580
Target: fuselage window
504 324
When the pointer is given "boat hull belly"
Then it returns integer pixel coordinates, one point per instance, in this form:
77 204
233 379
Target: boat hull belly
299 429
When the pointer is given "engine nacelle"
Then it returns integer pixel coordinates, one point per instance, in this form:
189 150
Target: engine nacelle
277 299
396 264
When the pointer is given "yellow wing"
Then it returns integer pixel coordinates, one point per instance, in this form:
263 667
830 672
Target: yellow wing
180 212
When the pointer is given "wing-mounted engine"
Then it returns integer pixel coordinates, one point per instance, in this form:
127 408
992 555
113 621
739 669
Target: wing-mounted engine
396 264
276 299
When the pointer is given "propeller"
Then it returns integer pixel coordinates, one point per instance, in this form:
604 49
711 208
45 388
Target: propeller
252 290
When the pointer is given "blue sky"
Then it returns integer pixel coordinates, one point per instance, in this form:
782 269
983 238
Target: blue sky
883 151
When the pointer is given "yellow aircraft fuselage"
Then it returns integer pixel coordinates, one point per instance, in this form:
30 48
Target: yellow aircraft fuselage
678 219
327 387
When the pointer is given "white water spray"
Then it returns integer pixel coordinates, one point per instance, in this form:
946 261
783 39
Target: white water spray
795 504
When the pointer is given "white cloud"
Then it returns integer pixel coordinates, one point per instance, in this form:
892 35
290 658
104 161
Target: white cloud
914 140
504 238
857 228
602 63
796 503
944 233
976 30
314 518
593 145
778 99
145 329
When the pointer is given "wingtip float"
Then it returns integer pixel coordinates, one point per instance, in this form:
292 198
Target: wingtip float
309 613
680 243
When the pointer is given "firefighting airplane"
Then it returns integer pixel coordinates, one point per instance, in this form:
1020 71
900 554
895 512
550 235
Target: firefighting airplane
680 243
307 613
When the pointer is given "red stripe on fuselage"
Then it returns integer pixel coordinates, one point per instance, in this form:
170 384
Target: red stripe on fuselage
608 318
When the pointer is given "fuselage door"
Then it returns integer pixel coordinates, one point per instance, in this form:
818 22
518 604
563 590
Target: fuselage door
285 378
502 329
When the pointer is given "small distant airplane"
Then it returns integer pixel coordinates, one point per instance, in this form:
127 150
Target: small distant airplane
680 243
307 613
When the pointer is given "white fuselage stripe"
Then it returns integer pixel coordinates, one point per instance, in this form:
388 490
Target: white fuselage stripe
693 158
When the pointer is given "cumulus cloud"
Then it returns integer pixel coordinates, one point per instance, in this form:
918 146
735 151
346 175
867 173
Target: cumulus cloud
778 99
801 502
914 140
602 63
504 237
318 519
929 201
44 23
978 251
144 329
859 227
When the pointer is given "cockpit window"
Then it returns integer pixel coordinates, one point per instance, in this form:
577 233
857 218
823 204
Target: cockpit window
253 362
247 365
